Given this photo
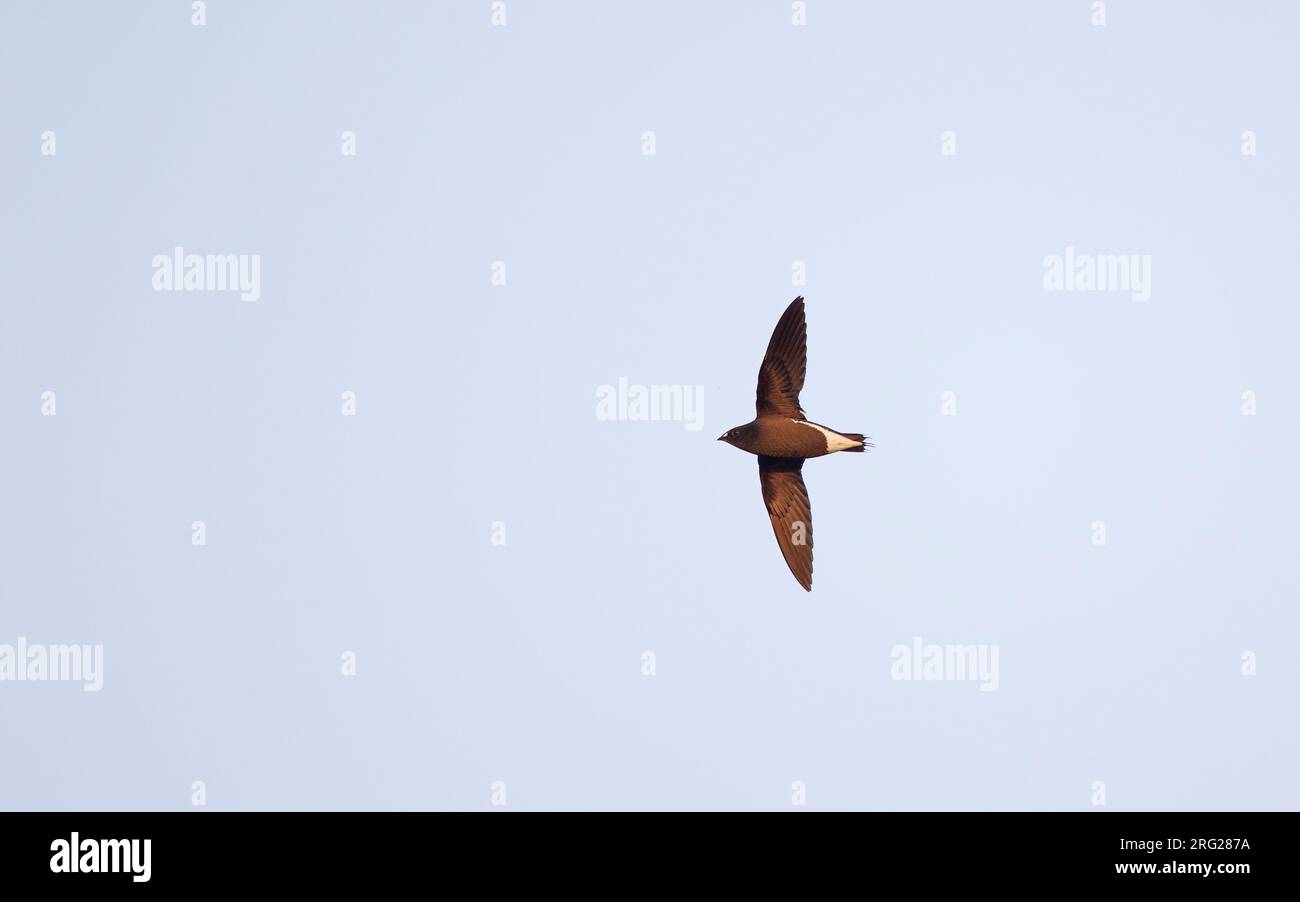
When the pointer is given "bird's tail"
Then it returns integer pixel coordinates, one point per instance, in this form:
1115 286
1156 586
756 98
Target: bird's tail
863 441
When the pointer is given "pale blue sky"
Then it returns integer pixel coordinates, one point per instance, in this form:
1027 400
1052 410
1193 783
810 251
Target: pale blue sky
476 404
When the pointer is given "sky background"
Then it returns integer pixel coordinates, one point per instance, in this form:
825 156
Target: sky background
522 663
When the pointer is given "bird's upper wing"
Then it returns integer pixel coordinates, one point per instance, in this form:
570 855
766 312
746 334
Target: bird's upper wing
780 378
787 503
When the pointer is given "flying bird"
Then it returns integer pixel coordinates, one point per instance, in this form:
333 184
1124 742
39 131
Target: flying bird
783 438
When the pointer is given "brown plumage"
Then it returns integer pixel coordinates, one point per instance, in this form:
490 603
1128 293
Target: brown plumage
783 438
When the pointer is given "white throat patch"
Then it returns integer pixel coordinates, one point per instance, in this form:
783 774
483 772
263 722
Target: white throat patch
834 441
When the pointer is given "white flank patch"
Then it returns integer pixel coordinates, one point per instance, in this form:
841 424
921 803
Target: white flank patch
834 441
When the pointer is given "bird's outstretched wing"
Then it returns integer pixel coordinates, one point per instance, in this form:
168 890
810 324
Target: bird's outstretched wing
780 378
787 503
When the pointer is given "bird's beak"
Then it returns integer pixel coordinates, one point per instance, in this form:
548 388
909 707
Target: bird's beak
722 438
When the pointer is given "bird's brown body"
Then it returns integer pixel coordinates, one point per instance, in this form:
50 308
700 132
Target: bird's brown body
783 438
779 436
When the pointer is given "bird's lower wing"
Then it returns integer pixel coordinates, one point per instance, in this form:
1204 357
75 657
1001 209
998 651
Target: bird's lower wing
788 508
